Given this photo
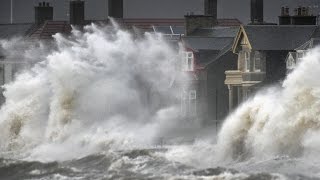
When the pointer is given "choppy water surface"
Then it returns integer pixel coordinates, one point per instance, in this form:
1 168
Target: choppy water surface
97 104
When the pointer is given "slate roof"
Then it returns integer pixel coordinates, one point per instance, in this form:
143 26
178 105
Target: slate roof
275 37
207 43
8 31
313 42
229 22
205 56
49 28
217 32
210 43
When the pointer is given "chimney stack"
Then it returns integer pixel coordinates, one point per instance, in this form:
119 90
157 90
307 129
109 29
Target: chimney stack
301 16
115 8
77 12
43 12
208 20
210 8
257 11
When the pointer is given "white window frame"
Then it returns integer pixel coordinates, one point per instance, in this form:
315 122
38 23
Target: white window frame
188 61
189 103
257 59
290 62
247 61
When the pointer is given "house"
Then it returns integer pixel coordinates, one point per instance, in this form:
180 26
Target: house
207 55
295 57
262 52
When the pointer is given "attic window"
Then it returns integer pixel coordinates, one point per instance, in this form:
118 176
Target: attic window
244 41
188 61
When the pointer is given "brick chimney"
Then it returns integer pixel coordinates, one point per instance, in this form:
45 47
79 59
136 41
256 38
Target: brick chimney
77 12
115 8
43 12
256 11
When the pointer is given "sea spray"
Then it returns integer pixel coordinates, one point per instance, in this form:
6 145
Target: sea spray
277 130
95 90
279 121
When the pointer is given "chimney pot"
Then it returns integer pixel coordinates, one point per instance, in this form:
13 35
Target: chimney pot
287 11
282 11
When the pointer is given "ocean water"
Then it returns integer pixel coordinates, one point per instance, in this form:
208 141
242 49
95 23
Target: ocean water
102 103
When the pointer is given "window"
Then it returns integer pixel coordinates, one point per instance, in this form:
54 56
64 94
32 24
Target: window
189 103
290 62
300 55
244 41
188 61
247 61
257 61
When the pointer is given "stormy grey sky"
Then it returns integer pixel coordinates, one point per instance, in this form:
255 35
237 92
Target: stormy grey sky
97 9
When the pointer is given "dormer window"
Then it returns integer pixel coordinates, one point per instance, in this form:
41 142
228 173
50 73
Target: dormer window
290 62
188 61
244 41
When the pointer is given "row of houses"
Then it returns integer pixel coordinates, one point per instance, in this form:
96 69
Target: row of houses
226 61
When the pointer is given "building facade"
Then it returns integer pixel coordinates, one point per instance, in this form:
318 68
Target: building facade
262 52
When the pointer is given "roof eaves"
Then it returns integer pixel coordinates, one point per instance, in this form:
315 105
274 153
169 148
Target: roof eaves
237 38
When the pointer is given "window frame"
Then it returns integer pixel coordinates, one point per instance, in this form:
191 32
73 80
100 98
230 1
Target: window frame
188 61
189 103
247 61
257 56
291 63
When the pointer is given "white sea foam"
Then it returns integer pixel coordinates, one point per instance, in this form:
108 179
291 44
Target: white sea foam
98 89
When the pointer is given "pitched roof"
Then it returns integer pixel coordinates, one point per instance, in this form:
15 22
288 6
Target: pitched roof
210 38
313 42
275 37
229 22
11 30
218 31
148 23
206 43
49 28
205 56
